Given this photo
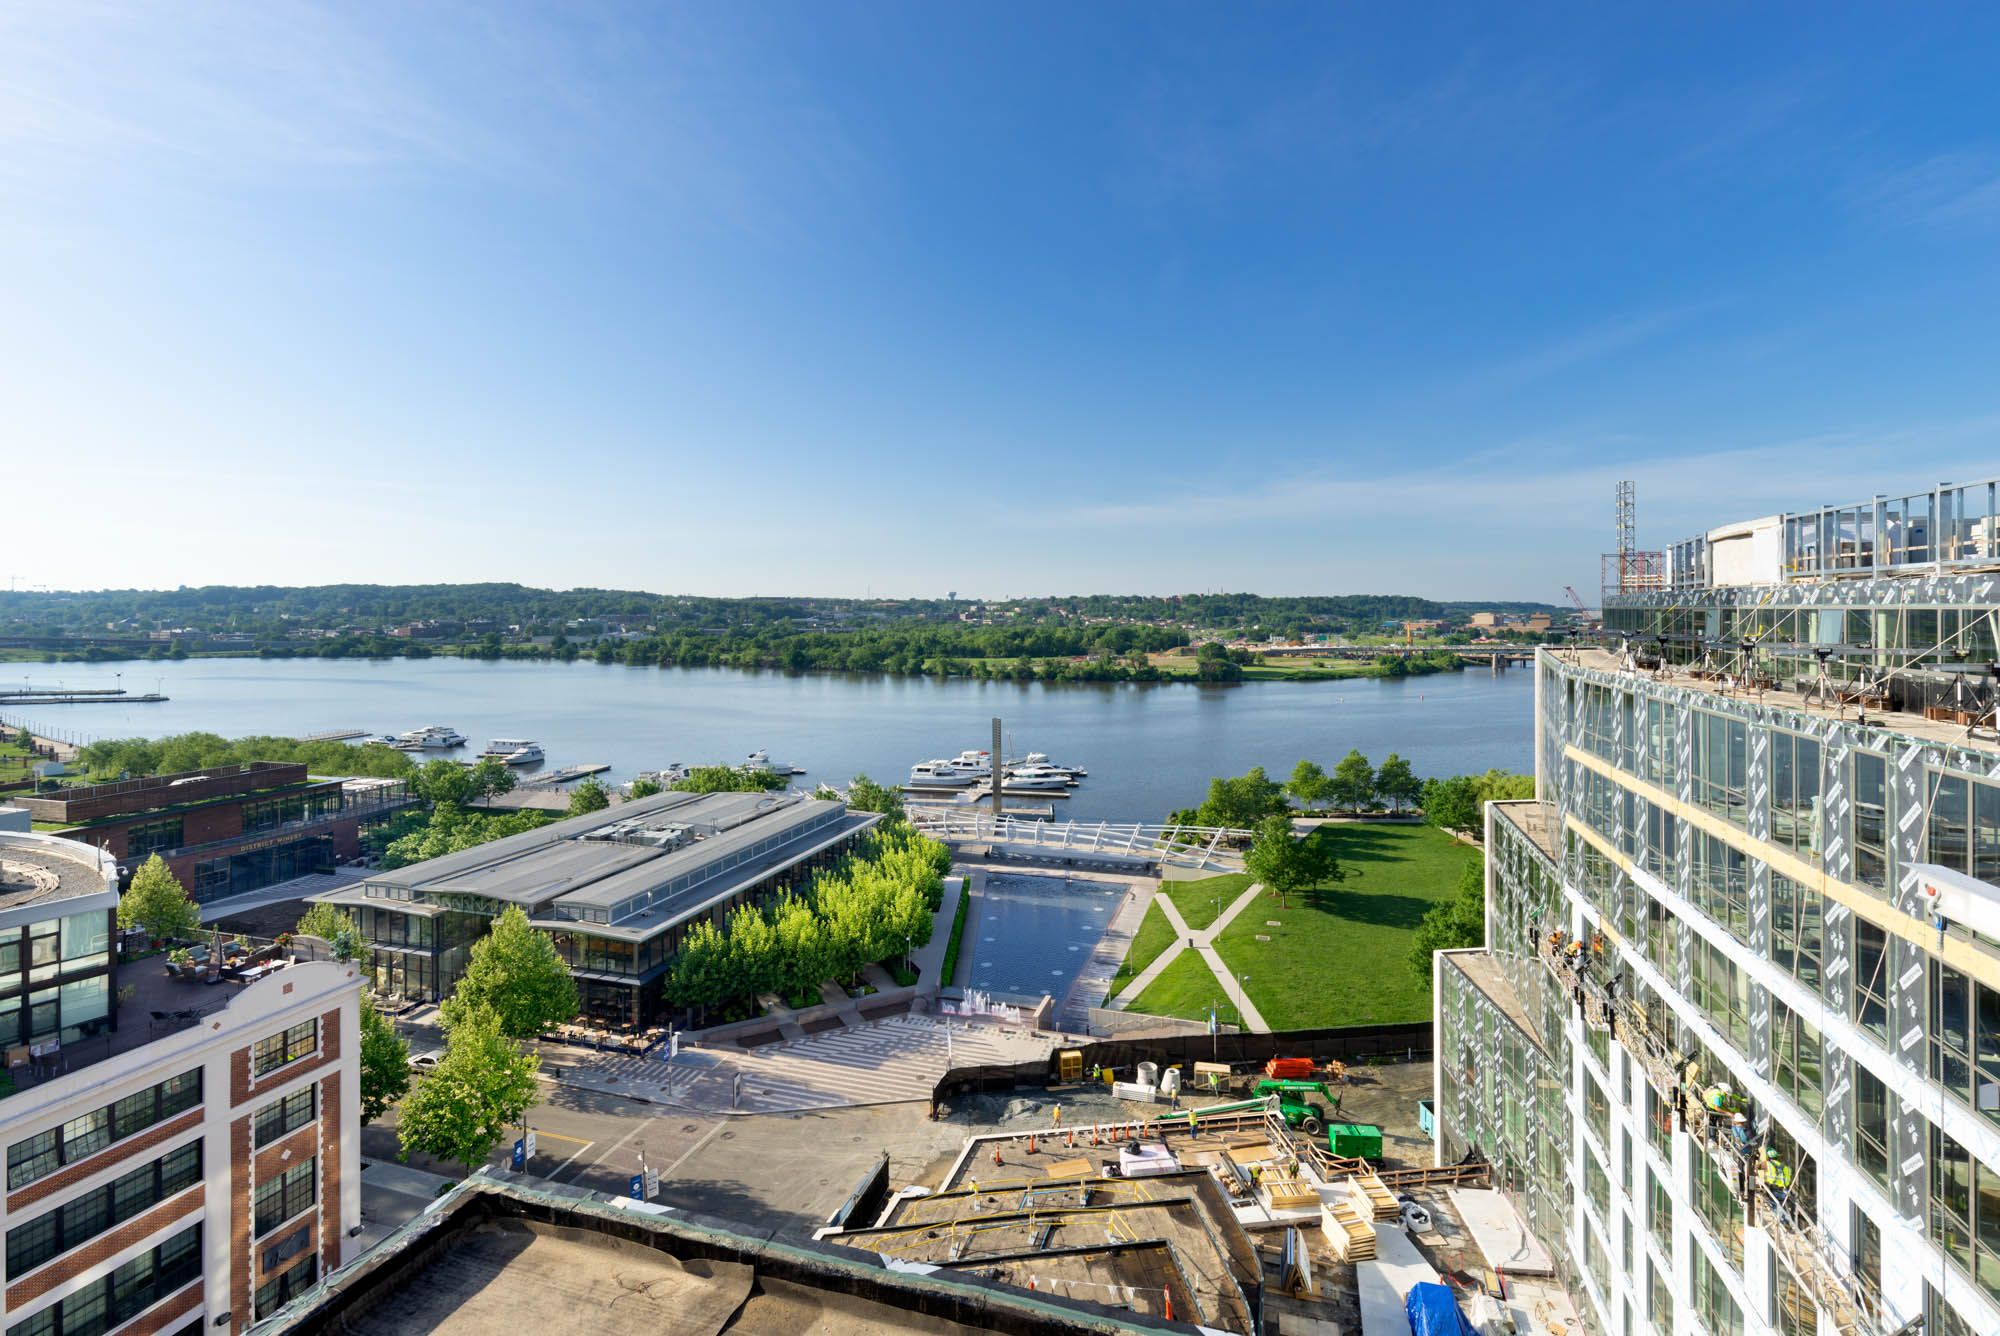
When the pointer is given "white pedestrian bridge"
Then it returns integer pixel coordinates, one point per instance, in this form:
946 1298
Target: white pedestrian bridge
1105 844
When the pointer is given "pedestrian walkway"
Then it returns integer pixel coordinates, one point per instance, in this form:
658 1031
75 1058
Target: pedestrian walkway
885 1061
1203 943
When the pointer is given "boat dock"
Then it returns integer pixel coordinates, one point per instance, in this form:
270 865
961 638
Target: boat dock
938 792
93 697
337 735
550 778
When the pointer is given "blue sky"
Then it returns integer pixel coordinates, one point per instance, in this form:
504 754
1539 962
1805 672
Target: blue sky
1006 299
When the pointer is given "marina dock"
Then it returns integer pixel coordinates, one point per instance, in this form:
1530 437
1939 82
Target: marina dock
338 735
77 698
940 793
551 778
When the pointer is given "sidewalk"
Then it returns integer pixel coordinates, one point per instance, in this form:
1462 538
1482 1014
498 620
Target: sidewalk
1204 943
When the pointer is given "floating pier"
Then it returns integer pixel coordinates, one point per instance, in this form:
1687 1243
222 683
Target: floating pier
550 778
77 698
338 735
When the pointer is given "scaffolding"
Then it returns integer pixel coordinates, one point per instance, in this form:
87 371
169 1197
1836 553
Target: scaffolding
1822 1269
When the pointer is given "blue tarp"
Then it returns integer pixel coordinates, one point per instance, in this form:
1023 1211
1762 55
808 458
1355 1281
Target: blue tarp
1434 1313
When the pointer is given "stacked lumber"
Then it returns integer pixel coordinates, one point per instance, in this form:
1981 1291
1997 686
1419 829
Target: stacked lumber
1285 1192
1373 1200
1351 1236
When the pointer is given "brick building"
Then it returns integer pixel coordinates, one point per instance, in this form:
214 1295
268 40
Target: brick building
184 1170
227 829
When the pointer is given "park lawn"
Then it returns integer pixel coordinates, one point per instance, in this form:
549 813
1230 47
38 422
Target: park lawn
1154 936
1340 955
1200 902
1186 987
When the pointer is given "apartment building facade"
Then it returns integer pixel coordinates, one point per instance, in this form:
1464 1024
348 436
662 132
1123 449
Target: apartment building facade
1761 875
188 1172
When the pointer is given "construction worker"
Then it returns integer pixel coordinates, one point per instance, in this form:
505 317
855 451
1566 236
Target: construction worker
1740 1125
1056 1114
1777 1176
1716 1099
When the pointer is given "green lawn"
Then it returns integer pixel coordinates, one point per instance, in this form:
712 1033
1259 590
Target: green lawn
1154 936
1197 900
1185 988
1339 956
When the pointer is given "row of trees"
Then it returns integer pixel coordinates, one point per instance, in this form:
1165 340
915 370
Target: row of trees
1458 923
878 903
198 751
1244 801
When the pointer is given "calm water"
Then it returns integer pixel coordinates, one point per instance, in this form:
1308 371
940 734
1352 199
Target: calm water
1035 933
1149 748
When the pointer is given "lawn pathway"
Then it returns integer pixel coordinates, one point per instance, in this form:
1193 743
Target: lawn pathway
1203 942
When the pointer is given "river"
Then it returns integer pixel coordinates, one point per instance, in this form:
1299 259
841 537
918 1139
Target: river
1149 747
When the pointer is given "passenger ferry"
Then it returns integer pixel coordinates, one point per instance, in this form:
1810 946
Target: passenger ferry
431 737
514 751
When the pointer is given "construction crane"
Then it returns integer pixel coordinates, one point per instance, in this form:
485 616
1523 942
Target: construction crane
1581 611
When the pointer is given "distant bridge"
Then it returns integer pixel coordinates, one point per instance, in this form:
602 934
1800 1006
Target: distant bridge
1189 846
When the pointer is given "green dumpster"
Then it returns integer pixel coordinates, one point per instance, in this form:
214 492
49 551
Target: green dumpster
1357 1139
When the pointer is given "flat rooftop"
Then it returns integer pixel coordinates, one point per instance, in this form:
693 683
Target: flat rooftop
38 873
1483 972
1537 820
629 871
504 1256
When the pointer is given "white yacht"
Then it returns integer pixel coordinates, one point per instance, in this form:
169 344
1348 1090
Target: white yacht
940 774
761 760
1042 759
1037 777
431 737
674 772
514 751
977 764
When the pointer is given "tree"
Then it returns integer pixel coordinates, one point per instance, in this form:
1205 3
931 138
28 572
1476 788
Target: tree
590 796
516 974
1214 663
1285 864
481 1089
490 776
1309 785
326 922
1353 782
443 783
728 779
1455 925
1396 783
1241 802
385 1064
1452 804
157 902
644 788
865 795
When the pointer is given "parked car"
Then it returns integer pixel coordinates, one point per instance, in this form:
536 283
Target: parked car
425 1063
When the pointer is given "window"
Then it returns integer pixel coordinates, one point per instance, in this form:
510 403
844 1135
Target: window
1964 827
1721 765
286 1286
1871 821
1659 1298
1965 1038
1870 997
1714 1198
1871 1125
276 1050
1792 1312
1867 1257
1798 929
152 837
1723 991
124 1198
1713 1303
285 1115
1795 795
1721 885
45 1152
1659 1124
1796 1056
1660 1214
1596 1186
116 1299
285 1196
1596 1109
1965 1211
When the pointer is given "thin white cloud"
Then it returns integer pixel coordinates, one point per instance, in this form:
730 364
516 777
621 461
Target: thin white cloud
1949 189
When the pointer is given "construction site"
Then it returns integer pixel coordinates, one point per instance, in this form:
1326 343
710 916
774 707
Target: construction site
1251 1205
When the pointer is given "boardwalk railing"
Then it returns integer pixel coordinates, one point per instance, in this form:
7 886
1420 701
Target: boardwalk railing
1194 846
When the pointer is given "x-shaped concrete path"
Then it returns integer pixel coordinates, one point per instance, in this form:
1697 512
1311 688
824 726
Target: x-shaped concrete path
1204 943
